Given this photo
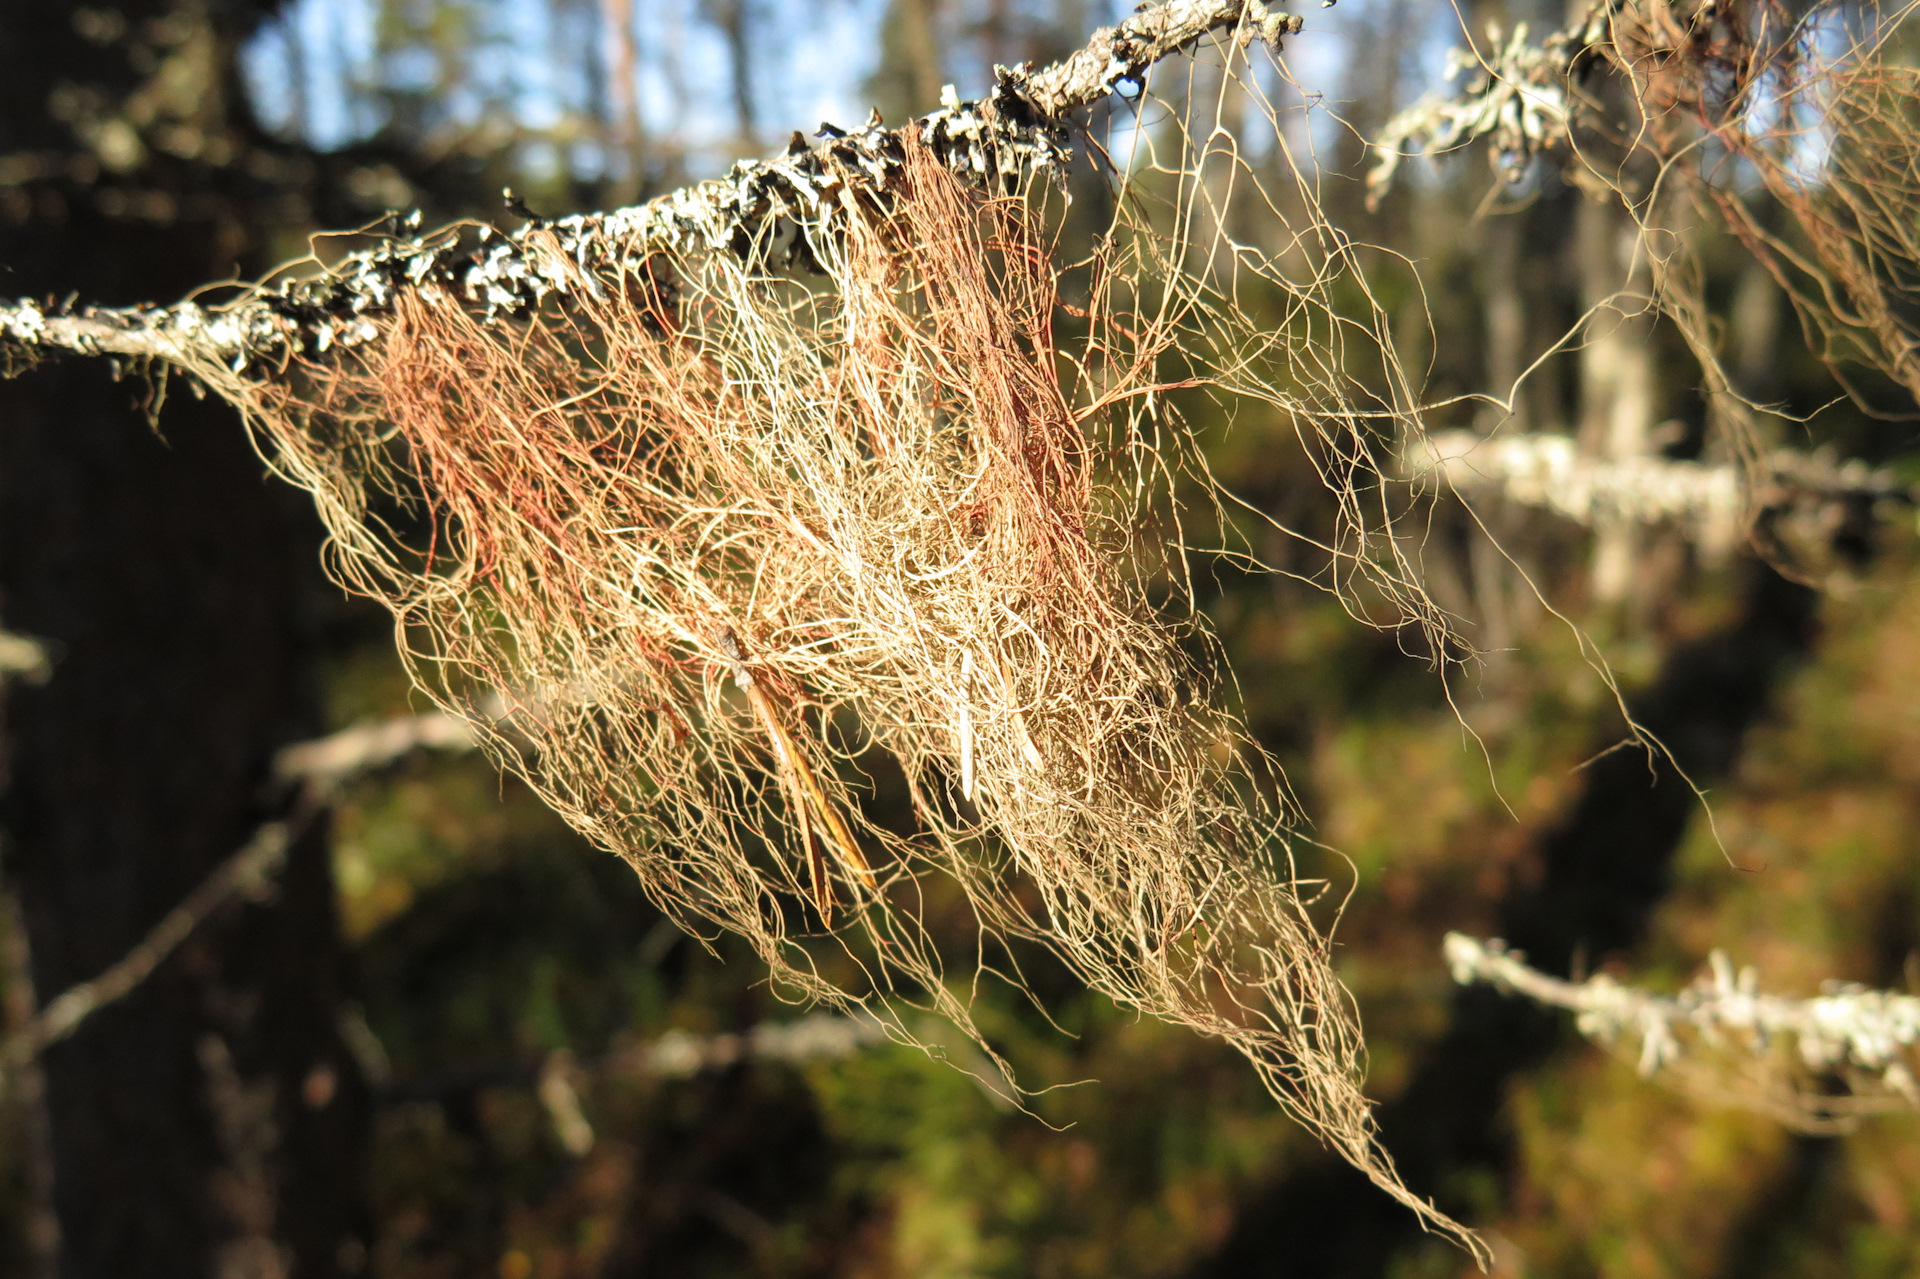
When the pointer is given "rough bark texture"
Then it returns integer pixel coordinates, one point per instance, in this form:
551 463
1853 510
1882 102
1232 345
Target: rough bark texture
210 1123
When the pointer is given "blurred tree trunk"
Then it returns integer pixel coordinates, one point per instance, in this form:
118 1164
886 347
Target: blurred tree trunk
211 1123
629 126
908 79
736 25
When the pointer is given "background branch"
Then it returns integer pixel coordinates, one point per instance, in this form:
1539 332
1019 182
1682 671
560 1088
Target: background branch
1867 1036
246 871
319 769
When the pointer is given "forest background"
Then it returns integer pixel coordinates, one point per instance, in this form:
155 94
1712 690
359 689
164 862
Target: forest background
452 1039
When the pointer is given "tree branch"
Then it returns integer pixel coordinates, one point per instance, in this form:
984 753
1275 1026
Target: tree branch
757 211
1706 503
319 768
1868 1035
330 762
681 1055
246 871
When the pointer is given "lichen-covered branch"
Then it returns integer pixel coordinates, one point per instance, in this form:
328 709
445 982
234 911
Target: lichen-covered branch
1120 55
1866 1037
1519 97
1549 472
757 210
1706 503
1530 99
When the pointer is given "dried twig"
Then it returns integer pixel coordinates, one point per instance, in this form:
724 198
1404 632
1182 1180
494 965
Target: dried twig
801 786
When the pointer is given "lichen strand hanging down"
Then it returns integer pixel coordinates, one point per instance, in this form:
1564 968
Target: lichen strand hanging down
716 536
719 539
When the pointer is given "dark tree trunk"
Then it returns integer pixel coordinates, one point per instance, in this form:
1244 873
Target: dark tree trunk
211 1123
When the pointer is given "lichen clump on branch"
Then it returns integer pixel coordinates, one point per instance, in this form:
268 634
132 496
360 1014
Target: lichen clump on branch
725 503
